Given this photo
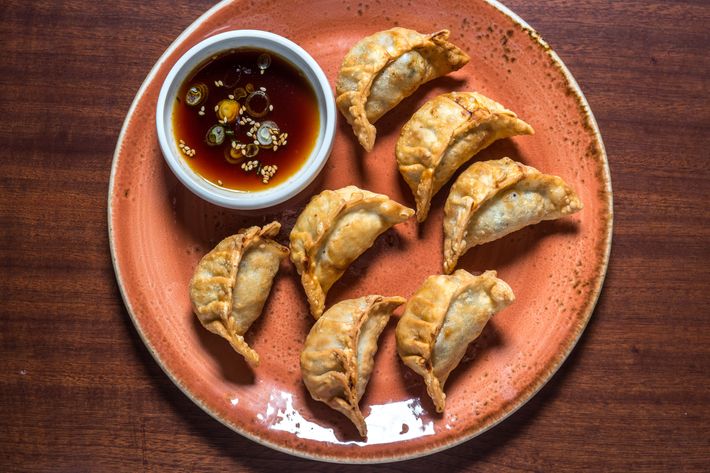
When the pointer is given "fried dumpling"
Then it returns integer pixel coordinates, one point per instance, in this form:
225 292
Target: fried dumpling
338 355
491 199
232 282
442 318
334 229
446 132
383 69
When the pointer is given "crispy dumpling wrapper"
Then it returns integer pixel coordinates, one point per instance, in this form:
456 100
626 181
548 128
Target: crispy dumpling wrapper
491 199
232 282
338 354
334 229
446 132
384 68
442 318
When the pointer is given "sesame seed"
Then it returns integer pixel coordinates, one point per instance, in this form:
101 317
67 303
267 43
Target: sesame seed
216 107
271 108
263 89
216 83
201 113
231 97
219 182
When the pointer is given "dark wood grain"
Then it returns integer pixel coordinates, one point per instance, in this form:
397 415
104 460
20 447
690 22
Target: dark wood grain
80 392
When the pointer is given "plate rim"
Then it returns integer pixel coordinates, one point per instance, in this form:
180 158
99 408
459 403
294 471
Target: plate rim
527 395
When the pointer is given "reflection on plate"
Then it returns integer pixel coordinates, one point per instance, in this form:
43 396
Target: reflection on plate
387 423
159 230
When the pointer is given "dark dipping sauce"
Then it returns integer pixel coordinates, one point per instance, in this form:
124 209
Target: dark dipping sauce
294 110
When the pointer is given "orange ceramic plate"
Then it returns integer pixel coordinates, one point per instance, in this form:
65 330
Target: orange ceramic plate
158 231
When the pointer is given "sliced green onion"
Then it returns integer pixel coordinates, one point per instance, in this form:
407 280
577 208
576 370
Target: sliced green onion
265 133
251 150
258 95
196 94
215 135
263 62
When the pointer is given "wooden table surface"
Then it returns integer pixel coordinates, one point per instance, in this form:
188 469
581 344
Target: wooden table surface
80 392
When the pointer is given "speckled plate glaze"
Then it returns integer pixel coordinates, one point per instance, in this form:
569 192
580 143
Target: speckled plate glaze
159 230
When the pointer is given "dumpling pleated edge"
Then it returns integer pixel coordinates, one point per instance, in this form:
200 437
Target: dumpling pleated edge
478 184
417 351
351 100
305 244
216 315
331 375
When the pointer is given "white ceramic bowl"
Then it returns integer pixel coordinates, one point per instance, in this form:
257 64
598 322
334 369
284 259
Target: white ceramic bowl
258 40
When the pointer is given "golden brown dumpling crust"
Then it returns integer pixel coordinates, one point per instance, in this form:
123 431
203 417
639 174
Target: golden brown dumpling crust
334 229
232 282
338 354
386 67
446 132
442 318
491 199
